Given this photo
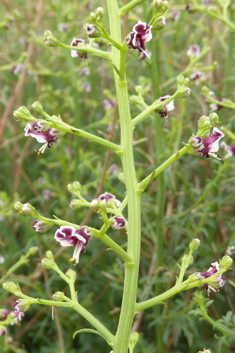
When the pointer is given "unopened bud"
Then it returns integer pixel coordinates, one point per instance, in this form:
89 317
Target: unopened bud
184 92
76 204
32 251
58 296
93 31
225 263
41 226
194 245
214 119
37 106
12 288
159 7
71 274
204 126
22 113
99 12
135 100
49 39
159 23
74 187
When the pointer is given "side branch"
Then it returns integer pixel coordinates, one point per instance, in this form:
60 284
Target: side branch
144 183
128 7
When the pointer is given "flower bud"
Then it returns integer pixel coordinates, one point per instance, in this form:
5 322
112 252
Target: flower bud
214 119
74 187
194 245
32 251
41 226
49 39
71 275
159 23
139 89
180 80
18 206
99 12
49 255
22 305
37 106
28 210
48 263
58 296
76 204
190 8
93 16
184 92
98 205
159 7
135 100
3 330
204 126
204 351
92 31
225 263
12 288
22 113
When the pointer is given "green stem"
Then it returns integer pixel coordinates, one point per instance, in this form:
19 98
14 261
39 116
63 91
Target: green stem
129 6
122 337
86 48
144 183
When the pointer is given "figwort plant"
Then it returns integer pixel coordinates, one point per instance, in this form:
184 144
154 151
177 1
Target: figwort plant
125 214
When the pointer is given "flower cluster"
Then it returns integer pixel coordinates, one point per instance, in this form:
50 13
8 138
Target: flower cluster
140 35
207 146
218 281
47 137
69 236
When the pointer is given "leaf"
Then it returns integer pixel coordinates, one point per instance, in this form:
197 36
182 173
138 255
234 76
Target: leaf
88 330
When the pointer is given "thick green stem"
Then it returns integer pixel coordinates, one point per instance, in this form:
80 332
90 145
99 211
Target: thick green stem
122 337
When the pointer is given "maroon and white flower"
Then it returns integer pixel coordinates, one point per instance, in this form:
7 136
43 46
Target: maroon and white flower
63 27
3 331
69 236
197 76
16 69
175 15
47 137
41 226
194 50
118 223
140 35
218 281
167 107
113 169
208 146
108 104
84 71
230 250
16 315
86 87
74 53
107 197
229 149
215 106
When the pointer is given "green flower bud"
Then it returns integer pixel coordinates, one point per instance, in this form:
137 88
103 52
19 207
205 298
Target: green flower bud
22 113
49 255
48 263
139 89
194 245
204 126
28 210
32 251
18 206
159 7
98 206
93 16
74 187
23 304
58 296
37 106
71 275
180 80
12 288
99 12
76 204
135 100
184 92
225 263
159 23
49 39
214 119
